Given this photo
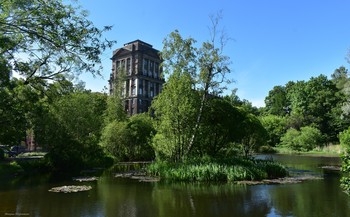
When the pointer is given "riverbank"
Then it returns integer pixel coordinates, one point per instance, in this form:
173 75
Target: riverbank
325 151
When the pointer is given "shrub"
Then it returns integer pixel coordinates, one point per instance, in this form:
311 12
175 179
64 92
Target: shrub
266 149
310 138
290 139
2 154
344 138
33 166
306 139
275 127
129 140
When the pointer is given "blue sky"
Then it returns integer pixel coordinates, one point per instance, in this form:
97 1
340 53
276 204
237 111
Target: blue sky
274 41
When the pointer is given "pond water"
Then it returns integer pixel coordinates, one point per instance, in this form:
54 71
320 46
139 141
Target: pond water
112 196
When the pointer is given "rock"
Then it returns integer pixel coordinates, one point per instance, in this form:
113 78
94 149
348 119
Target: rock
85 179
70 189
331 168
141 176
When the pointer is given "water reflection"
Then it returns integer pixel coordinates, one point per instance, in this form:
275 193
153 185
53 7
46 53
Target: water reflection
129 198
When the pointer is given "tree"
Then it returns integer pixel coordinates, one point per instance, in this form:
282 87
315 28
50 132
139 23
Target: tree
42 39
219 128
306 139
12 113
115 103
72 129
80 114
276 101
340 77
275 127
252 134
129 140
199 71
235 101
313 103
213 66
344 138
175 110
289 139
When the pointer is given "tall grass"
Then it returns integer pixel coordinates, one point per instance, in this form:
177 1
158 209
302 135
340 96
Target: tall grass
233 169
323 150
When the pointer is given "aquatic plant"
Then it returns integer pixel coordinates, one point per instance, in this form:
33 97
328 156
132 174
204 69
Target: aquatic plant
232 169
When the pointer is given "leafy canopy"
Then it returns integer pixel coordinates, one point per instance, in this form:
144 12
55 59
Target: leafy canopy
42 39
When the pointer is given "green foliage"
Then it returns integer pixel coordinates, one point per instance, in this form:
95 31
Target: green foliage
313 102
115 102
276 101
33 166
195 73
345 180
306 139
310 138
340 77
129 140
251 134
344 138
80 114
50 40
316 102
219 128
51 37
9 169
275 127
2 154
69 128
175 110
13 108
233 169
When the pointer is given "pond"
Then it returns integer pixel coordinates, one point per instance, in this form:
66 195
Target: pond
112 196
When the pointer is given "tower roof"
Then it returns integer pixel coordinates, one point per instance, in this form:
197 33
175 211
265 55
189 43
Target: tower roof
138 41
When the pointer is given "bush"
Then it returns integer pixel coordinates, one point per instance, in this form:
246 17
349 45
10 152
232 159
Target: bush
267 149
275 127
33 166
344 138
9 169
129 140
310 138
2 154
306 139
290 140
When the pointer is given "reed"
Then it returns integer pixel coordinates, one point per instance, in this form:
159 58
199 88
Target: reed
227 170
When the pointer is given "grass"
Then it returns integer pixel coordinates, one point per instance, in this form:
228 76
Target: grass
32 154
328 150
229 170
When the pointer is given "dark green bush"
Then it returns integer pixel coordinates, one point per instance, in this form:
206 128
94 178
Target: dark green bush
267 149
33 166
306 139
2 154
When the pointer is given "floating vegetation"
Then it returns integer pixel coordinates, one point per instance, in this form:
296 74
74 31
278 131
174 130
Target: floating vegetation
286 180
331 168
85 179
138 175
70 189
